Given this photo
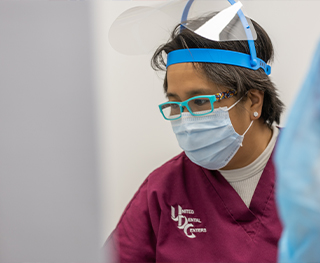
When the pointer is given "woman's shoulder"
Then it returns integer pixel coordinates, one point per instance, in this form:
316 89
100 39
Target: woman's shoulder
176 161
173 167
174 174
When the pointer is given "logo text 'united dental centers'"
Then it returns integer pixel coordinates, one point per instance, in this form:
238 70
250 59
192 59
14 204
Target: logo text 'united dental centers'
187 223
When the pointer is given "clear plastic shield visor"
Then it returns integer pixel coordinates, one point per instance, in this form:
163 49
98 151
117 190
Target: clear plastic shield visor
142 29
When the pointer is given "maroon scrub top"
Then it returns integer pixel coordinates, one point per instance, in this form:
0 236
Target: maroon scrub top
185 213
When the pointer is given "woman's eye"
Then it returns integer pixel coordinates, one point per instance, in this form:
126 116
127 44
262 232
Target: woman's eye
174 106
200 102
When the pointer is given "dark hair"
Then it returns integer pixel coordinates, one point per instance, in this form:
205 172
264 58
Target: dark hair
239 78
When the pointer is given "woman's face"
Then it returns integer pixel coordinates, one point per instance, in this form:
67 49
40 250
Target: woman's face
185 82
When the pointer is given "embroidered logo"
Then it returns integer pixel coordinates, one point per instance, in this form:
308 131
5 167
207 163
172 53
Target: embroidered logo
186 223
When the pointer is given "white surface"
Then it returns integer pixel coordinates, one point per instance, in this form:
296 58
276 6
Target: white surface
138 138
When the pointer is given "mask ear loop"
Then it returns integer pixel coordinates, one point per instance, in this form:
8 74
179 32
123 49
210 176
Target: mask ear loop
250 122
236 102
246 132
248 128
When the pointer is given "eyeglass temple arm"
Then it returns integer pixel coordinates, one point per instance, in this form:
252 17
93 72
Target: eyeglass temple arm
226 94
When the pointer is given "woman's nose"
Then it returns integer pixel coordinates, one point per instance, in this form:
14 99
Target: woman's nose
185 109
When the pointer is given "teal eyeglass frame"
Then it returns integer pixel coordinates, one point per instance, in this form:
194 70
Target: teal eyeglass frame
212 99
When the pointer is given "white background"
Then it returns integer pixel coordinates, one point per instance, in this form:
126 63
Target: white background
136 138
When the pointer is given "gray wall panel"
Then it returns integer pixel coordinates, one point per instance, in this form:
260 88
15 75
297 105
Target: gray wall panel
49 209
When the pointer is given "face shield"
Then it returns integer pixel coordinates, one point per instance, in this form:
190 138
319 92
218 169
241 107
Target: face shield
141 30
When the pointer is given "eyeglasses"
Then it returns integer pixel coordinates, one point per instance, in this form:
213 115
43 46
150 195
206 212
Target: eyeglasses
197 106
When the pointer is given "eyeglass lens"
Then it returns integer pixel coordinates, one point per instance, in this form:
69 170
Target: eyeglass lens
171 111
199 104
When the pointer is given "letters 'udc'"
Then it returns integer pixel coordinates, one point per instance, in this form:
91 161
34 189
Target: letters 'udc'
184 222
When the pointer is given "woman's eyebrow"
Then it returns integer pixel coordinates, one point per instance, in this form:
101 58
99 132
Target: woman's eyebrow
192 93
200 91
172 95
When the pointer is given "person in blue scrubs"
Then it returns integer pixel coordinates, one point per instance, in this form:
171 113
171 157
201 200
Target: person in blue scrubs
297 161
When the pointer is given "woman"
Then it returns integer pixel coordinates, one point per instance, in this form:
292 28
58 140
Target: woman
214 202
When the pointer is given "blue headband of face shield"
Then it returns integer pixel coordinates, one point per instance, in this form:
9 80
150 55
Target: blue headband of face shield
217 55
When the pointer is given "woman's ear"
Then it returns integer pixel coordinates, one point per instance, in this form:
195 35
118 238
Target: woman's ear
256 98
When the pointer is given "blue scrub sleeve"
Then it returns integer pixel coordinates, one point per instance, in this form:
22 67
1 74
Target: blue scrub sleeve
297 160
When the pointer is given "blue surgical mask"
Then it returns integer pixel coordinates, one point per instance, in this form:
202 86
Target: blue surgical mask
210 141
